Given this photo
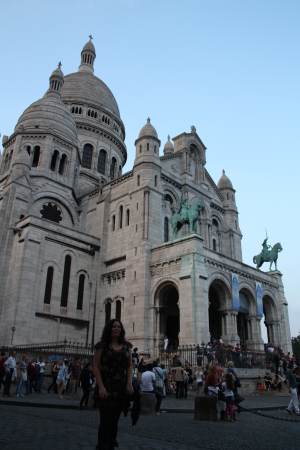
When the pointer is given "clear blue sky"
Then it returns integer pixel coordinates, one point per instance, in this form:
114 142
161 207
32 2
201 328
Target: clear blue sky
231 68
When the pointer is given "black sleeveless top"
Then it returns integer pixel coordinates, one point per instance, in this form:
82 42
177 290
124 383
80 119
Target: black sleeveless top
114 369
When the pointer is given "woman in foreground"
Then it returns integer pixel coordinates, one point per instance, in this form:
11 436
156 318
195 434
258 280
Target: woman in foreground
112 367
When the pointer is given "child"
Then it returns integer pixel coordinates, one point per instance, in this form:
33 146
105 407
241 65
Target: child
228 388
260 385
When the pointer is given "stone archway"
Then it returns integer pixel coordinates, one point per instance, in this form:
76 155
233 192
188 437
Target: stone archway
243 318
270 319
217 296
167 298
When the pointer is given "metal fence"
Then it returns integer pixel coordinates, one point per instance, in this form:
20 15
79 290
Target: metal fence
65 349
200 356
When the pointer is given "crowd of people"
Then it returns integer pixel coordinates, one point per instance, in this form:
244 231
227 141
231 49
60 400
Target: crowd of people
118 375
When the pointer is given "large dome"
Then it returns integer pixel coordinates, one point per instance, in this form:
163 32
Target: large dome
46 114
84 87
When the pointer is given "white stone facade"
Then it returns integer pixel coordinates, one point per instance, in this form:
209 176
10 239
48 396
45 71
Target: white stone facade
80 242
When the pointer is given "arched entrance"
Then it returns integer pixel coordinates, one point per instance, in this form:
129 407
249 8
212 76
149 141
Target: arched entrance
217 304
269 319
169 316
242 318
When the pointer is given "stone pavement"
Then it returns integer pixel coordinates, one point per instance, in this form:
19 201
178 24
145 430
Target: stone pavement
28 428
169 404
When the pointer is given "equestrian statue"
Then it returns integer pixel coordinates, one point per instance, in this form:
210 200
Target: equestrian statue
268 254
187 214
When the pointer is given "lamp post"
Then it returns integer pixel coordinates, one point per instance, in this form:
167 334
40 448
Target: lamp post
13 329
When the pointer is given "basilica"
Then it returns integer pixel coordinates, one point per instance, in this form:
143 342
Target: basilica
82 242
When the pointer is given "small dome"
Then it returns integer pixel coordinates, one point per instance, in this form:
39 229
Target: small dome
169 147
57 72
148 130
224 182
89 46
49 114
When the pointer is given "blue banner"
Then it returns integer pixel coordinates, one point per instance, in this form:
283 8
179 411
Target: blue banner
235 292
259 300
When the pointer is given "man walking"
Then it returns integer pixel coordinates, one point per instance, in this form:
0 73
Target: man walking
294 402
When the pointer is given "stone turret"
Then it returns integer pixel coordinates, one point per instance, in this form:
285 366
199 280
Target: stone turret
169 147
147 144
88 56
231 216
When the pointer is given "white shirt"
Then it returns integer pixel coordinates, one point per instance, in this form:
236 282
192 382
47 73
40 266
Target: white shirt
10 363
147 381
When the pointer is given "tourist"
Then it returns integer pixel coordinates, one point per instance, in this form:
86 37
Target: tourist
112 367
39 372
10 372
147 382
228 391
199 379
61 379
268 381
294 402
159 386
135 358
54 373
179 376
22 379
86 382
75 370
212 382
30 376
277 383
2 369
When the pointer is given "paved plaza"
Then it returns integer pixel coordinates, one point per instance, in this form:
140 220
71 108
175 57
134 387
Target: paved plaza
32 428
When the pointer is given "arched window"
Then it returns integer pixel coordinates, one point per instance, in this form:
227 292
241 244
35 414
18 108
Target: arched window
118 309
36 156
113 226
214 245
87 156
155 180
147 146
113 167
102 161
166 229
62 164
121 216
48 287
54 160
28 149
138 180
107 312
80 291
127 217
140 148
66 281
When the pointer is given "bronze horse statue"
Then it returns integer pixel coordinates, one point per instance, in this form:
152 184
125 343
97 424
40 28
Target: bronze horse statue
186 215
268 256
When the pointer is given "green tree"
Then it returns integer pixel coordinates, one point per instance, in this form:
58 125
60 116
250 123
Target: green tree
296 347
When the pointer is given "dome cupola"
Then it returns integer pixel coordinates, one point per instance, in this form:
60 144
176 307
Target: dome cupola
49 113
88 55
147 144
148 131
169 147
224 182
56 81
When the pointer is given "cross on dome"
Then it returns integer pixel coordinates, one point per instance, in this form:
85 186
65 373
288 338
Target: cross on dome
91 37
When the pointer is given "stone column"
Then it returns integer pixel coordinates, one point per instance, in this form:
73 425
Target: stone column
257 341
232 327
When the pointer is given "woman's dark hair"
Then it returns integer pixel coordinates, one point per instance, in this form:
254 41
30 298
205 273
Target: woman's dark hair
106 334
229 381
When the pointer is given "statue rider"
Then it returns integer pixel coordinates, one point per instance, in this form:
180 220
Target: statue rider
266 247
184 207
